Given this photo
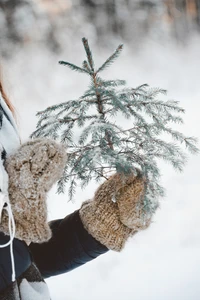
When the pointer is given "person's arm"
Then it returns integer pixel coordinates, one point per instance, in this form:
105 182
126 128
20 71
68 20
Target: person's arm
100 224
70 247
116 211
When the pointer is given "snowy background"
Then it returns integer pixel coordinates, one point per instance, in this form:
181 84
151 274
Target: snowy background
163 262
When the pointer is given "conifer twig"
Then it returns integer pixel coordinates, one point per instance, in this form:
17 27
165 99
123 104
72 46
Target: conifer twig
103 146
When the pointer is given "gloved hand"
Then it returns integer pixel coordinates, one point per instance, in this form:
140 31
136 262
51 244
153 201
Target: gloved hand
32 171
116 212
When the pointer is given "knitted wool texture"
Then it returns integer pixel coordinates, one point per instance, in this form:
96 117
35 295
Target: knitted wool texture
112 222
32 171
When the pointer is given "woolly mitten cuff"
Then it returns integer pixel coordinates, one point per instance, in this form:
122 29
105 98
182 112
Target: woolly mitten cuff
116 212
32 171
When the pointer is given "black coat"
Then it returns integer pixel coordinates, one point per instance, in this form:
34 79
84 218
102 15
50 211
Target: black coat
70 247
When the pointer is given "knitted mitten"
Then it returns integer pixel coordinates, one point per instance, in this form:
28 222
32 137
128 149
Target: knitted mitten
116 212
32 171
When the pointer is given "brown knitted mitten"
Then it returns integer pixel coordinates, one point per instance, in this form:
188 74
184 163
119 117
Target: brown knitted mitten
116 212
32 171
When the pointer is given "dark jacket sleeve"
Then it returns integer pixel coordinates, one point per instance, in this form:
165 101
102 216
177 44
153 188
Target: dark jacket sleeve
70 247
21 256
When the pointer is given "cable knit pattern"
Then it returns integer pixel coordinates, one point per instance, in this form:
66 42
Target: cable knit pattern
117 210
32 171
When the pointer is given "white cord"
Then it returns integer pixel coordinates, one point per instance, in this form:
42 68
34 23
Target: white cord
11 226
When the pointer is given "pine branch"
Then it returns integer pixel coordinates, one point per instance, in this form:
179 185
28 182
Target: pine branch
111 59
98 147
74 67
89 53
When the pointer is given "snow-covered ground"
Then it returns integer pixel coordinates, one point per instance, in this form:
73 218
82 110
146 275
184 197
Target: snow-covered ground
163 262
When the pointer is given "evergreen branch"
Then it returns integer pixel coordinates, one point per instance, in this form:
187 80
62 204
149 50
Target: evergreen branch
86 66
73 67
103 147
113 83
190 144
116 103
72 187
100 173
89 53
111 59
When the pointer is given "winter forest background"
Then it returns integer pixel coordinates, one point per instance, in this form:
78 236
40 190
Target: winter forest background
162 48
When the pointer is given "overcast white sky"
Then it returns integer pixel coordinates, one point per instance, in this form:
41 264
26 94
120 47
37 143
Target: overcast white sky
163 262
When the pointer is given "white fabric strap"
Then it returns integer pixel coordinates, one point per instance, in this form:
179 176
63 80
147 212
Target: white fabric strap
11 225
9 142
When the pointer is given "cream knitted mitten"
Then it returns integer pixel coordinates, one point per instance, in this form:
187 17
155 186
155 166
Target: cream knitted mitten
116 212
32 171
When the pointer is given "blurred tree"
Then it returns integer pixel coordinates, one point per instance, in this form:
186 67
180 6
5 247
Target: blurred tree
123 18
184 16
9 31
27 21
198 12
49 21
53 7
